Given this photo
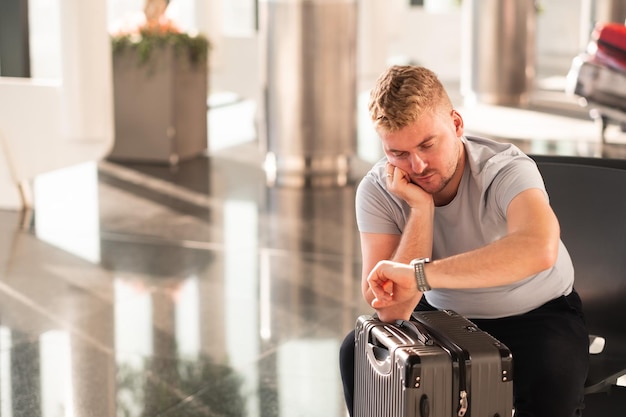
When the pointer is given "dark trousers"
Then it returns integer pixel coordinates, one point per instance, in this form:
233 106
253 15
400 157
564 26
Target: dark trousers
550 347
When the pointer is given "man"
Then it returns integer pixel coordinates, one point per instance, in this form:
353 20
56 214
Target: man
479 210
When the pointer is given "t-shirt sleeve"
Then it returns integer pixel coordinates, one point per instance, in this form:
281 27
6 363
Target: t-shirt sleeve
519 175
376 210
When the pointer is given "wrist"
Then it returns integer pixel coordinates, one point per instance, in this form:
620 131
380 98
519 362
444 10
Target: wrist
419 271
399 312
421 207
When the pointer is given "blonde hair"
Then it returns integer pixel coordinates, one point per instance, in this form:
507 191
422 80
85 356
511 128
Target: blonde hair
403 93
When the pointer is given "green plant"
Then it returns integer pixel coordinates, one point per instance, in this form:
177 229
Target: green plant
196 47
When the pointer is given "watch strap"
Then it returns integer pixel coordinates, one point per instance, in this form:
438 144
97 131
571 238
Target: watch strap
420 274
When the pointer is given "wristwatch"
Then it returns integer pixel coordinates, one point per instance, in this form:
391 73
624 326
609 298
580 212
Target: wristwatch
420 275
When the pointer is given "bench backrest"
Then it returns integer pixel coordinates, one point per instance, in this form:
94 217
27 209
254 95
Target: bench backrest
588 196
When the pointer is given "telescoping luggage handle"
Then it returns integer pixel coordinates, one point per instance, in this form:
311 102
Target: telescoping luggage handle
385 337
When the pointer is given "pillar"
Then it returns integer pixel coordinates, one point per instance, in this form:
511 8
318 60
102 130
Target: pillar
308 75
498 61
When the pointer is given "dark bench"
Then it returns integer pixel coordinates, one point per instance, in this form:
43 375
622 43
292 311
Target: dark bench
589 197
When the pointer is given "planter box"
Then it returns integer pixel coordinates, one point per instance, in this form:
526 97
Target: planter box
160 107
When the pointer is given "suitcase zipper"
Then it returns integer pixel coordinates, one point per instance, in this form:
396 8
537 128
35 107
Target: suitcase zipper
459 353
463 404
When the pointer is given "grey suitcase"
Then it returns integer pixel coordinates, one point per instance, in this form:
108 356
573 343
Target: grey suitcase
438 364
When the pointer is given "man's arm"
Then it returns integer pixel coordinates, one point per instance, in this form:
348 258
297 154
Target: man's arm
530 246
375 248
415 241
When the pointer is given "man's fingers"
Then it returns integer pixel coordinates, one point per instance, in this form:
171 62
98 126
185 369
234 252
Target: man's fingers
378 303
380 292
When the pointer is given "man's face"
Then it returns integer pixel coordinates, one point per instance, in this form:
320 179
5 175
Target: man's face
427 150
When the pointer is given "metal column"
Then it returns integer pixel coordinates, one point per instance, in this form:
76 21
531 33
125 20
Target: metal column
308 115
498 62
610 10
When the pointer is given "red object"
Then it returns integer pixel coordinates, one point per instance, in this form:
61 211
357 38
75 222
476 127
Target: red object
611 39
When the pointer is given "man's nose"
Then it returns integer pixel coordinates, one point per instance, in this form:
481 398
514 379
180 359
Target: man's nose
417 163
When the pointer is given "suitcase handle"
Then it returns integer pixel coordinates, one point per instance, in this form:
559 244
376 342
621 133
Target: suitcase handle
381 341
422 336
385 338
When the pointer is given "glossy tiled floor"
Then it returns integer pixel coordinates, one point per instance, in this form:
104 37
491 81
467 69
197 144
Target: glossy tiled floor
126 298
139 290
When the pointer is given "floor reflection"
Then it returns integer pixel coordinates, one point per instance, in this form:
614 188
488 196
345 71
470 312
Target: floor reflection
233 304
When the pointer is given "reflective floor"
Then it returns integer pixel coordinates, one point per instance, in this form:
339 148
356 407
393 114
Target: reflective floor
143 290
223 299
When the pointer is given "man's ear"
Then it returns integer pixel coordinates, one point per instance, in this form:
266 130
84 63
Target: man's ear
458 123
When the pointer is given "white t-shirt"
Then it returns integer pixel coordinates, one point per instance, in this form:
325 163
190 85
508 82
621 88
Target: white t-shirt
494 174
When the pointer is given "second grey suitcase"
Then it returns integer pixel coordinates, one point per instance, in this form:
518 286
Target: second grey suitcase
437 364
485 365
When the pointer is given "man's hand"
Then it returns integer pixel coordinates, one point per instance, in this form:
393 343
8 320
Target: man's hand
399 183
395 290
